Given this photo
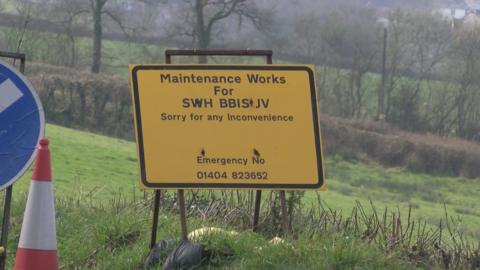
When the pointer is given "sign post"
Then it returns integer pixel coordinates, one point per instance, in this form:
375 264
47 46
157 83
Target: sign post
22 125
227 127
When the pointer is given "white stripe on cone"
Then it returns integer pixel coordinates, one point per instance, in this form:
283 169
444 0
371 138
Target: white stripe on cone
38 228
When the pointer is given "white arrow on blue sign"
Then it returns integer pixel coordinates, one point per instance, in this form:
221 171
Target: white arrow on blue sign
22 124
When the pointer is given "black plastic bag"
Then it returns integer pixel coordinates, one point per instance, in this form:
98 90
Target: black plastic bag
159 252
186 256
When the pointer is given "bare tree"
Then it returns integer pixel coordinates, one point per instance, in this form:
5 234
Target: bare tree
396 55
98 10
202 20
465 57
308 35
69 12
426 40
25 10
350 34
97 13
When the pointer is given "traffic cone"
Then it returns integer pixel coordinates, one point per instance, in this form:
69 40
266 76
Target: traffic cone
37 247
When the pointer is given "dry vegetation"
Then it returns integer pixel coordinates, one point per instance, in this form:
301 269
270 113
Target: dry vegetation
82 100
406 237
382 143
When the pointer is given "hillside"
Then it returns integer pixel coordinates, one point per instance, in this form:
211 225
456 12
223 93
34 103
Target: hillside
395 84
100 206
102 104
100 167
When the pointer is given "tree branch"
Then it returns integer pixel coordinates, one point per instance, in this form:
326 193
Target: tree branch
223 13
118 21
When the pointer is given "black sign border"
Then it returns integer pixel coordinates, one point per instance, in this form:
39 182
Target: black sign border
138 123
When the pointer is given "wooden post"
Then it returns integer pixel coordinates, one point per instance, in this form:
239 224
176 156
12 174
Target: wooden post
283 204
183 218
256 211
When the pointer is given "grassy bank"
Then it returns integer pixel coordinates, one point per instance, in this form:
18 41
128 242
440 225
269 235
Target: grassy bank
99 167
104 219
115 235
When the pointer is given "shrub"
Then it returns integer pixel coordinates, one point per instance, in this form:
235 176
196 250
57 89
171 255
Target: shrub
102 104
383 144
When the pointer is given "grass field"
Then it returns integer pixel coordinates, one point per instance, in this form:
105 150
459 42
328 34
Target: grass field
96 236
102 166
103 220
393 188
336 92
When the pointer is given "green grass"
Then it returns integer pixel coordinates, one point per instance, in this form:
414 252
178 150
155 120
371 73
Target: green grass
103 220
89 164
116 237
307 252
100 167
398 188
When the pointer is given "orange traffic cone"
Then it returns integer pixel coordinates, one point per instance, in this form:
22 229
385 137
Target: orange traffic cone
37 247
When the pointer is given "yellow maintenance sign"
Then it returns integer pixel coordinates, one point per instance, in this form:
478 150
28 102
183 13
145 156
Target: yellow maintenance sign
219 126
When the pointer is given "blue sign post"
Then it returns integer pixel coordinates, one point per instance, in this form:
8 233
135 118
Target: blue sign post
22 124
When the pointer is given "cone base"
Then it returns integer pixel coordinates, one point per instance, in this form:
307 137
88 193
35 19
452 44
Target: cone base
34 259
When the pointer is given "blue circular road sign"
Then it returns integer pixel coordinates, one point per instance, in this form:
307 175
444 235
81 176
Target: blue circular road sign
22 124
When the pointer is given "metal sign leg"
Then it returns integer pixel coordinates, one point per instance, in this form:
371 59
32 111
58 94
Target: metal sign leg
156 208
256 211
5 224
